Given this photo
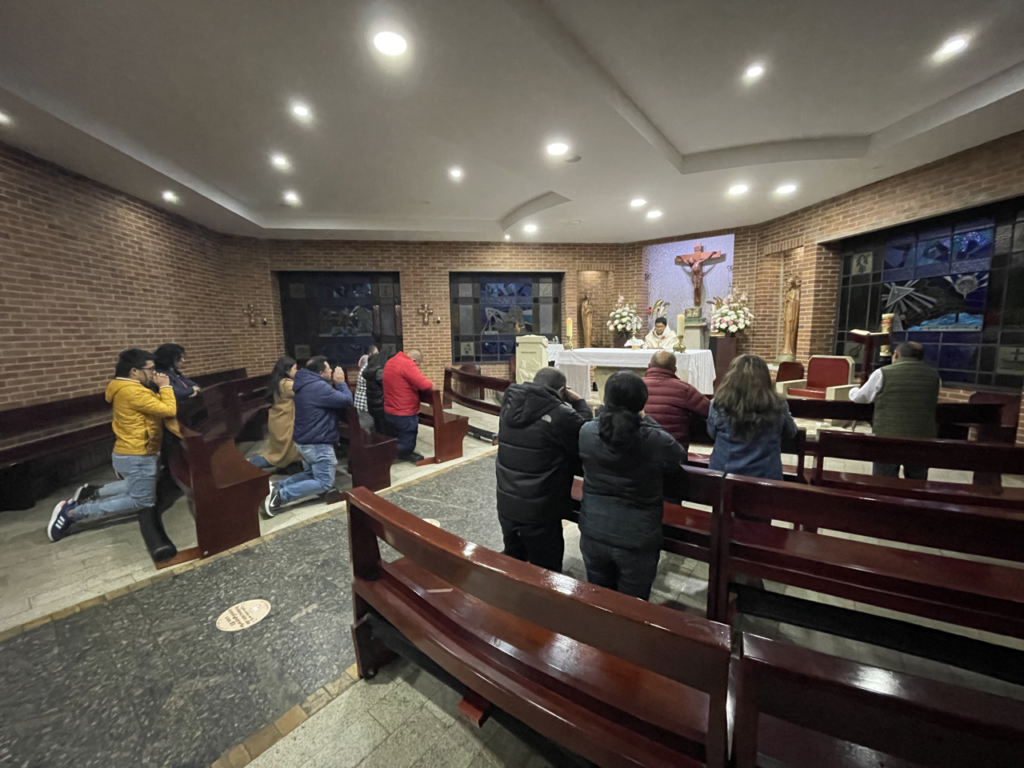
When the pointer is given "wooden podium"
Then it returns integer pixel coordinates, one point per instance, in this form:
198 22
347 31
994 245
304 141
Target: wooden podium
870 341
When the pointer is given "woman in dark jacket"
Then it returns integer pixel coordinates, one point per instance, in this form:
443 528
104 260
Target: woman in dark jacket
167 358
625 458
373 375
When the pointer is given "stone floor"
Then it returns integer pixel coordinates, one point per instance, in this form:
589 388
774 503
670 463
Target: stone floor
140 676
38 577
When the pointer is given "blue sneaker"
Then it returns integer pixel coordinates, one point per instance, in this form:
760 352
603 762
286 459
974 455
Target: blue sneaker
60 520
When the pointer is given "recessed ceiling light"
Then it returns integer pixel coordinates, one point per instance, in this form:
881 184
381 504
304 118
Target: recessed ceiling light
5 119
786 189
558 148
950 48
280 161
170 197
531 228
390 43
754 71
653 214
738 189
637 202
292 198
301 111
455 173
508 237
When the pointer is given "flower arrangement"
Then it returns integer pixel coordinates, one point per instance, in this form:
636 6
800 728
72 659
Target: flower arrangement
623 318
731 314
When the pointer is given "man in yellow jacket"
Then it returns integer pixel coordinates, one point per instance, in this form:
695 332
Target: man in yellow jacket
138 423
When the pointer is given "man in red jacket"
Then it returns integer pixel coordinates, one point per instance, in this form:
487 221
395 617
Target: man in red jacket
670 401
403 382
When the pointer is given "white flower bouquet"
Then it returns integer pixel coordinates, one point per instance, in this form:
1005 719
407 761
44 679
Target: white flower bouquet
623 318
731 314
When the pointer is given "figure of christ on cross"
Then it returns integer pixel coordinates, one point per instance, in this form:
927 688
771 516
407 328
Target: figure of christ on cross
695 261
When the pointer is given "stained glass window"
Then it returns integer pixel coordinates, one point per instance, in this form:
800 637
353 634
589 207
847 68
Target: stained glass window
955 284
490 309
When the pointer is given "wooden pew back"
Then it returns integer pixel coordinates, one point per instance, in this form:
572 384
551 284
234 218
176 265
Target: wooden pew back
473 390
450 429
884 713
673 645
938 454
980 531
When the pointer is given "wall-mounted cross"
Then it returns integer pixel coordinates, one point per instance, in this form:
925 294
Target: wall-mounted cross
426 312
251 312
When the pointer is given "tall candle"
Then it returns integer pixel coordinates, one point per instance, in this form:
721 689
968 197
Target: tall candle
680 322
568 327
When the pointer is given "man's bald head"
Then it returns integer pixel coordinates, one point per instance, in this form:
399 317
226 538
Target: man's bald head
663 359
416 356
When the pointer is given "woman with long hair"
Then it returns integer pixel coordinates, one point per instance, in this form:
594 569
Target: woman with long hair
280 450
168 358
748 420
625 457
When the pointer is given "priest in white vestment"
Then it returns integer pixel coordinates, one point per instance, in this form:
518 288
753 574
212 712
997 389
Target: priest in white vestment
662 337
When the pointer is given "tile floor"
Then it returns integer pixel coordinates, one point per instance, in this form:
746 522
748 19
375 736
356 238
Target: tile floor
39 577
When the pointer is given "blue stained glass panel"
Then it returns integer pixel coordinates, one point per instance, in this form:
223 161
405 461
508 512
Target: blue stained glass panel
972 251
961 357
932 257
899 259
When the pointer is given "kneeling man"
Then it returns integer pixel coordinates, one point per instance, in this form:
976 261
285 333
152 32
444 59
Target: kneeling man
538 457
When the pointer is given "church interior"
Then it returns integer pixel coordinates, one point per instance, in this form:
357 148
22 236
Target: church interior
336 340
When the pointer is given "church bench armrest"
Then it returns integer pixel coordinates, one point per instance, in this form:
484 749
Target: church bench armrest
783 387
840 392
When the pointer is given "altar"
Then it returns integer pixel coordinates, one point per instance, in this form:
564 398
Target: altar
696 367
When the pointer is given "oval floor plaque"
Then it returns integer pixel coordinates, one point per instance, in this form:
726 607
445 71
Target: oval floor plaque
243 615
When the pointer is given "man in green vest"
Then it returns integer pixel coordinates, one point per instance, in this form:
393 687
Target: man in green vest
905 395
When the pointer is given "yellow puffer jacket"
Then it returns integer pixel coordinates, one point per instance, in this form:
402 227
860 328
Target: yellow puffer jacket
139 416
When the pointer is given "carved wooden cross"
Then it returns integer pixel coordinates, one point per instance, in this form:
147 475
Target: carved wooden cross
695 261
426 312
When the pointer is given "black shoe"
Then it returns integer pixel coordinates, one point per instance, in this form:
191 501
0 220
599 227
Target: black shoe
85 493
412 456
159 546
272 504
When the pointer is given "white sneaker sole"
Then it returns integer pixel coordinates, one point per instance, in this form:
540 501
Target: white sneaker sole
53 519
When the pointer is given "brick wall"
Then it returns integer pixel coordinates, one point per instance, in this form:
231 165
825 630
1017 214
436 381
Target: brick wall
86 271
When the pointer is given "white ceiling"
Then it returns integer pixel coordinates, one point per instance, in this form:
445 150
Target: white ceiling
193 95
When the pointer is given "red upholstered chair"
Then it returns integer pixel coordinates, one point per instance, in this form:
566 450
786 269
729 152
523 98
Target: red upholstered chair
829 377
790 371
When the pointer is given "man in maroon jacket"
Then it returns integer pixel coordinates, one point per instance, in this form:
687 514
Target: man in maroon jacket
670 401
403 383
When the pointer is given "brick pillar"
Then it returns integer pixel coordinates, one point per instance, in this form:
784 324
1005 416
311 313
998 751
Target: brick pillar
818 264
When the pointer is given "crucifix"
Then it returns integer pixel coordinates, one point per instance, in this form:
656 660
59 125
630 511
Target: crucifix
426 312
695 261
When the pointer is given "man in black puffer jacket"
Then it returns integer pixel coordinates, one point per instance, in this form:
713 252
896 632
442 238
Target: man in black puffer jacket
538 456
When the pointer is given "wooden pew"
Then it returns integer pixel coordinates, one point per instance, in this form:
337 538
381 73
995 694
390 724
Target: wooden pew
805 709
954 419
449 430
686 529
993 459
370 455
471 391
614 679
940 586
59 439
798 446
223 488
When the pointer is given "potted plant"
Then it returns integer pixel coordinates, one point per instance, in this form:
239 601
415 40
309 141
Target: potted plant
623 321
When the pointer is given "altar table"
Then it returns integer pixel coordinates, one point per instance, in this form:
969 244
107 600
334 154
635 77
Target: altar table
699 365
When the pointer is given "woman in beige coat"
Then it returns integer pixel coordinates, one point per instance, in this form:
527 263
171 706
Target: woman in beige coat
280 450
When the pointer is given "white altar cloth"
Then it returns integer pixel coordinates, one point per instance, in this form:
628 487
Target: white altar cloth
575 364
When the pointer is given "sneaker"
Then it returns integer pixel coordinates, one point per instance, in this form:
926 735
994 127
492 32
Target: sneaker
411 456
85 493
272 504
60 522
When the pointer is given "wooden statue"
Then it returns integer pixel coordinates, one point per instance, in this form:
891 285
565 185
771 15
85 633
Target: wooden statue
587 316
790 318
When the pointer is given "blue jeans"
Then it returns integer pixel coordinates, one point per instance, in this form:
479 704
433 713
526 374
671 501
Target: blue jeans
406 427
137 490
259 461
317 476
